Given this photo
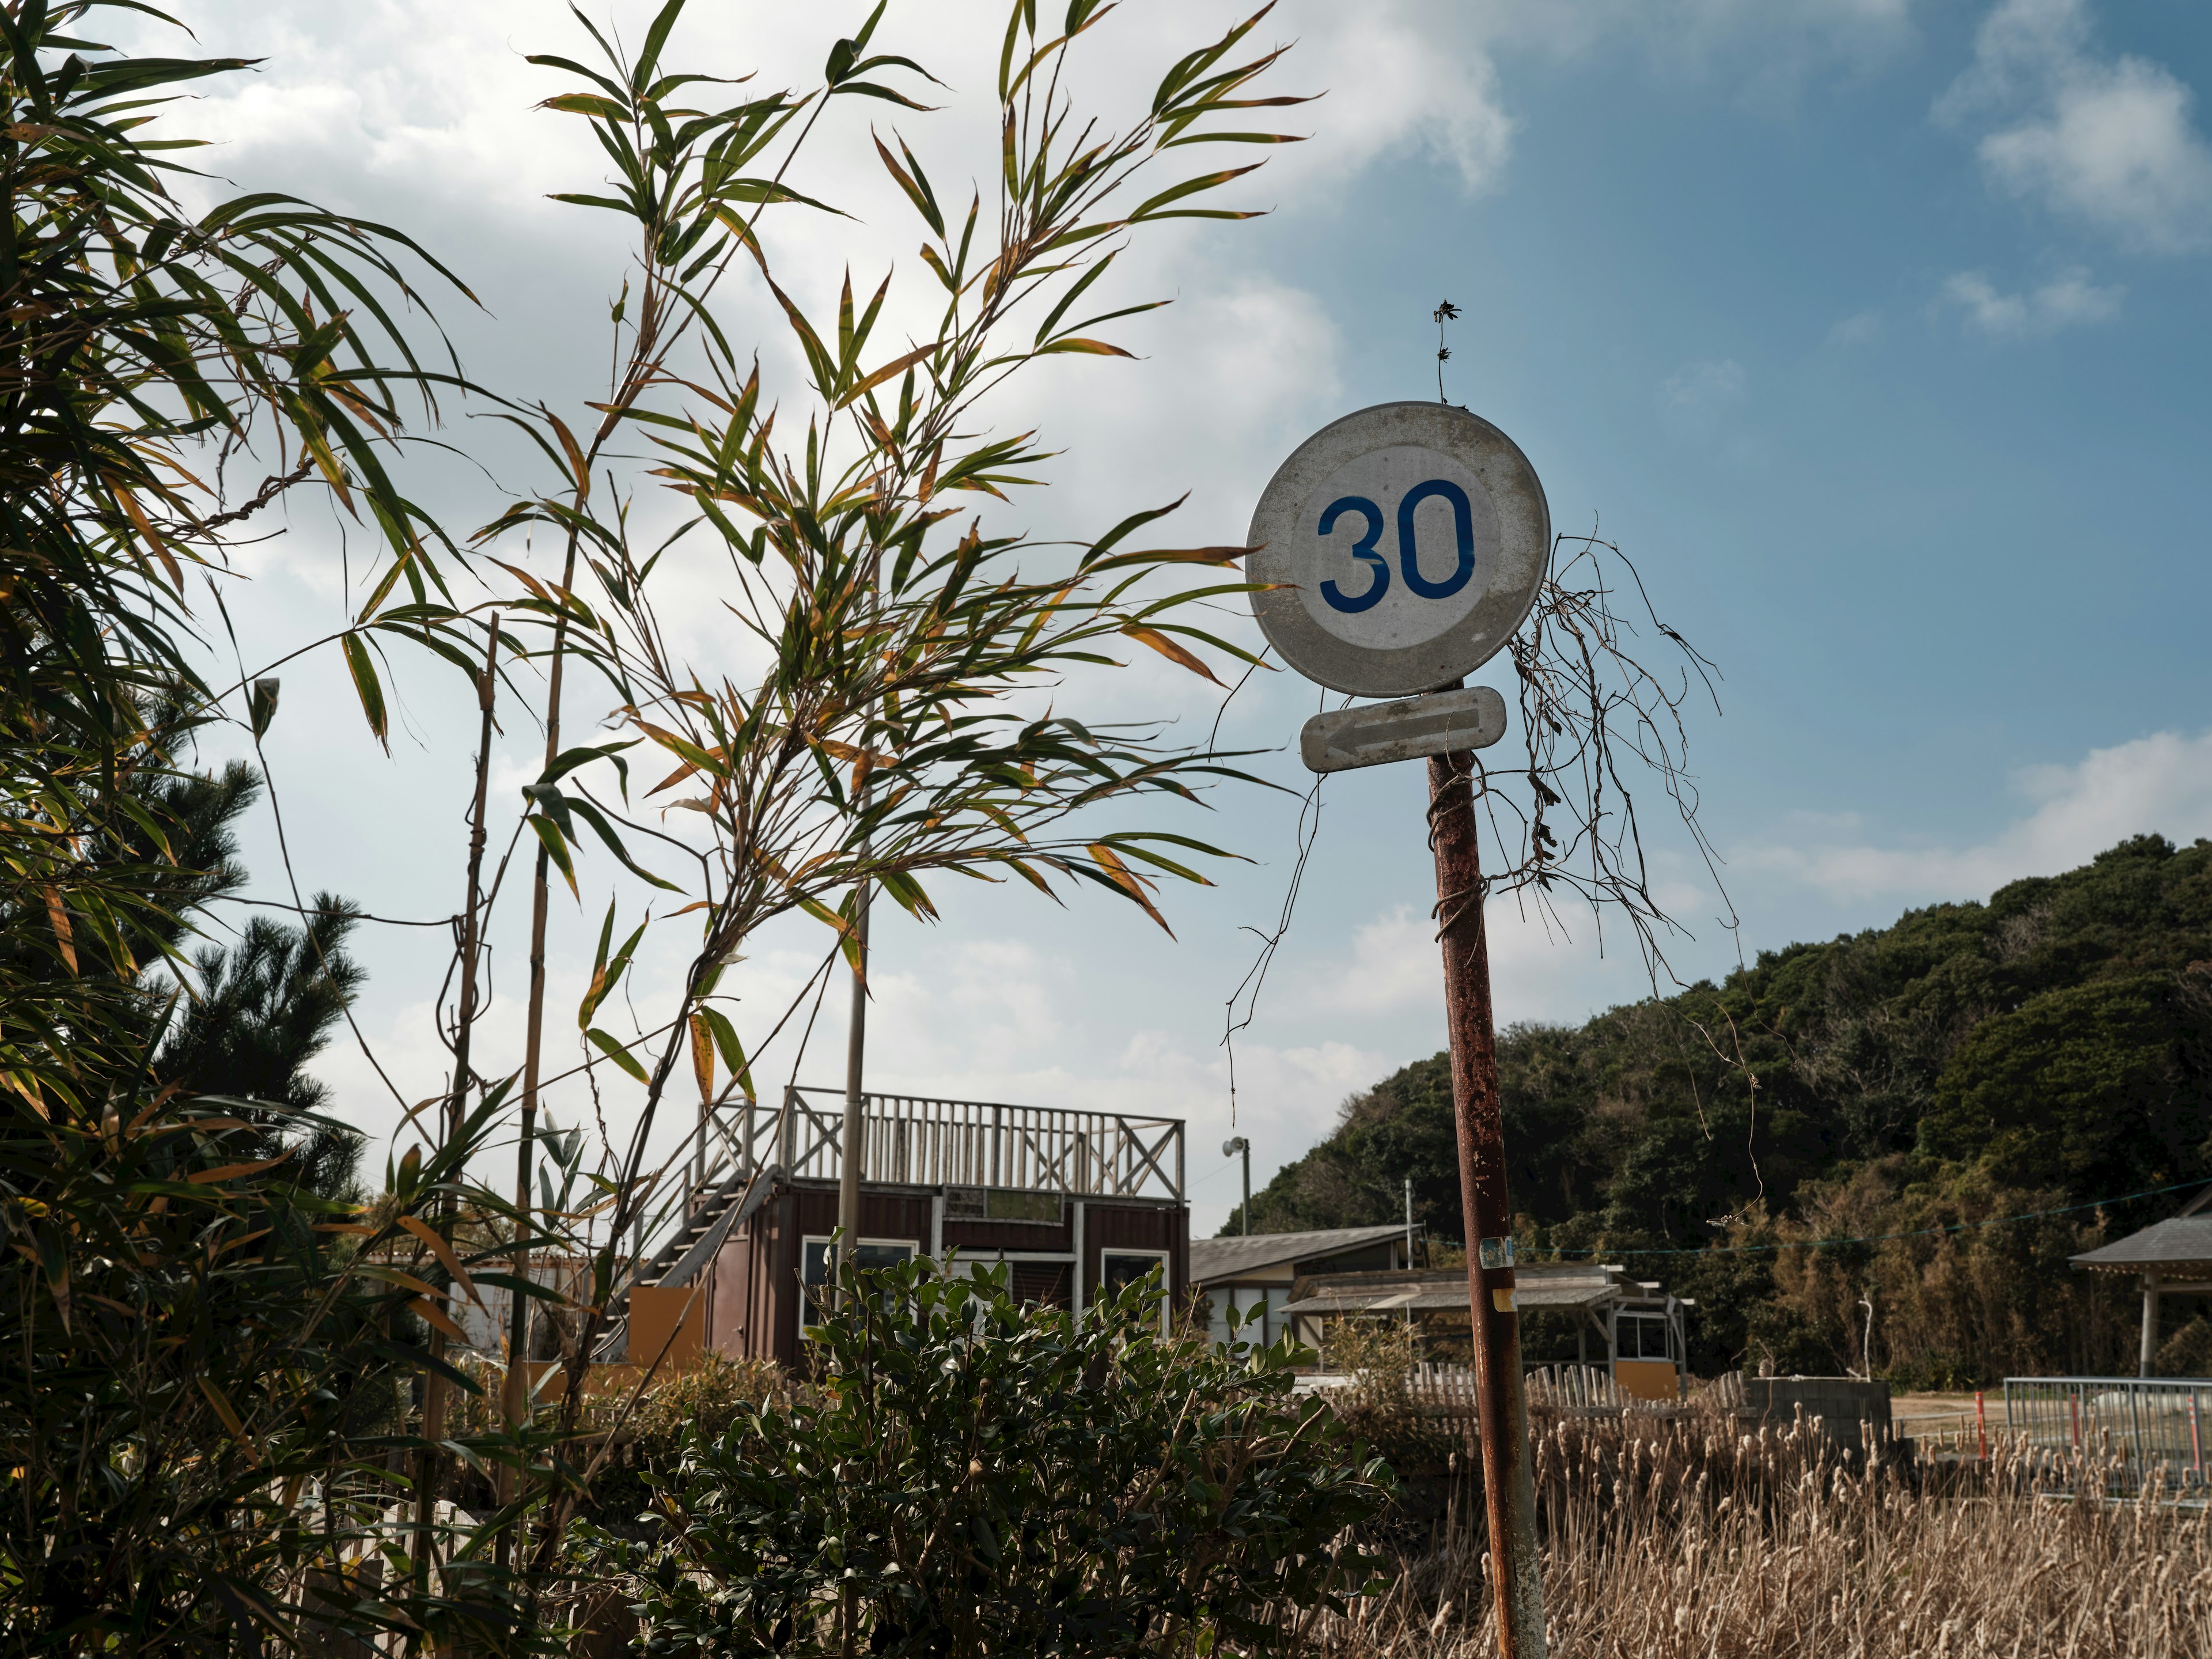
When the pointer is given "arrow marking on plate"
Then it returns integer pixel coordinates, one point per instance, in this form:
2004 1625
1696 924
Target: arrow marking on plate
1404 730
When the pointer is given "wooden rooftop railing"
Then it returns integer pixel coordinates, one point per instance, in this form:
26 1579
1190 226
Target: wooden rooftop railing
918 1140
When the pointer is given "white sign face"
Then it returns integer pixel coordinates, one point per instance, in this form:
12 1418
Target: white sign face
1402 544
1375 733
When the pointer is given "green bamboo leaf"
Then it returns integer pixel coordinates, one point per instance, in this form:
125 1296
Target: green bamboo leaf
1190 187
367 687
911 179
656 37
557 850
615 1051
871 89
732 1051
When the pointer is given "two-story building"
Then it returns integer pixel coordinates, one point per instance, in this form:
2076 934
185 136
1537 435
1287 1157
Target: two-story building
1074 1202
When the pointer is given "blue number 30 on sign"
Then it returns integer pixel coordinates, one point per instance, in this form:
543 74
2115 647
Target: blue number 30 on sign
1409 564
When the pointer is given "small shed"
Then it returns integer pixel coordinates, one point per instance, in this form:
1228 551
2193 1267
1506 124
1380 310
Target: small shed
1253 1274
2173 1257
1631 1327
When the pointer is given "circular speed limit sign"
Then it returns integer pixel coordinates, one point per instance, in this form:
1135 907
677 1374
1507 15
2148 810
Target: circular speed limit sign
1401 546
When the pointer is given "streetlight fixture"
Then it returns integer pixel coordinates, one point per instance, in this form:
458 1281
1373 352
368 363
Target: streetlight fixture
1231 1148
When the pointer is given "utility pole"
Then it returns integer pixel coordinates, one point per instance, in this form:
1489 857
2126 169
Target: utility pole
1409 1222
856 1100
1231 1148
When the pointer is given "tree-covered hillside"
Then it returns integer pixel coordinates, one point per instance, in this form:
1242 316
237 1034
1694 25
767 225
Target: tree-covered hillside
2051 1048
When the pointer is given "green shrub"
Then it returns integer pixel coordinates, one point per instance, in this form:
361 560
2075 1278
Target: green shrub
974 1476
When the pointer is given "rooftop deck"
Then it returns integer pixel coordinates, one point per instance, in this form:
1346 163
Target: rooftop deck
910 1141
914 1141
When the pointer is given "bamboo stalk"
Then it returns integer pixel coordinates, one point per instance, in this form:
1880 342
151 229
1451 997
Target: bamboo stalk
432 1460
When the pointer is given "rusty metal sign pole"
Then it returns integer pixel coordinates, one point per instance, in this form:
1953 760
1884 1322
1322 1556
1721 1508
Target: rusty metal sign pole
1326 595
1508 1493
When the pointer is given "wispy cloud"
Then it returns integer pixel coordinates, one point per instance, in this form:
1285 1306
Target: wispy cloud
2068 299
2107 142
1860 328
2159 784
1697 396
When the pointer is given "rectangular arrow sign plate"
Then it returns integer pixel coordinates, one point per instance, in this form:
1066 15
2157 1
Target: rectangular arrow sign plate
1404 730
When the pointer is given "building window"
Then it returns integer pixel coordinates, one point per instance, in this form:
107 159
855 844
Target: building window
1260 1309
1119 1269
868 1253
1643 1336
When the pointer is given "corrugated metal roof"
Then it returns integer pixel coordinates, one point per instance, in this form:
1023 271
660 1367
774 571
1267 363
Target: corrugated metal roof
1543 1285
1228 1258
2182 1241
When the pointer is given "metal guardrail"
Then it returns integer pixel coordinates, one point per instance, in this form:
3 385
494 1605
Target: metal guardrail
2144 1423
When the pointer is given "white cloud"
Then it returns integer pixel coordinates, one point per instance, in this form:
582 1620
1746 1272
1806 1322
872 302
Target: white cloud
2066 300
1394 968
419 113
2159 784
1394 86
2107 142
1860 328
1697 396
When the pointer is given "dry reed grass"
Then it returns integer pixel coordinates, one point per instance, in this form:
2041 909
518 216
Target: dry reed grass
1669 1539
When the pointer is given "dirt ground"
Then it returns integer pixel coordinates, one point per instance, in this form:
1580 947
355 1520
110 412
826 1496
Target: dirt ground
1929 1416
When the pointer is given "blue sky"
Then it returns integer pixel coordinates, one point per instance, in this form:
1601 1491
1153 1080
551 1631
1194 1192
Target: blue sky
1872 330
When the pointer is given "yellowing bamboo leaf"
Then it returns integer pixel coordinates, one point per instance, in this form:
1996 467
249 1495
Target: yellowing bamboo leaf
1092 347
1123 877
152 537
57 913
675 777
228 1414
1167 648
733 1052
576 463
438 1248
406 1281
702 1056
536 589
431 1314
235 1172
897 366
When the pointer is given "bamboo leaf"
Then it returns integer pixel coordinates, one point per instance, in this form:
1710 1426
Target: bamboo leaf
367 687
228 1414
733 1052
235 1172
1095 348
1189 187
702 1055
431 1314
1122 877
444 1251
557 850
1168 648
615 1051
585 103
897 366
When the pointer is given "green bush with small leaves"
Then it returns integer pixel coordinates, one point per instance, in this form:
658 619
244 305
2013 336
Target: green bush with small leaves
975 1476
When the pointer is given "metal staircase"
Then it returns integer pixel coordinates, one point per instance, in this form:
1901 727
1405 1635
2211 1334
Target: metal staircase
717 1211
